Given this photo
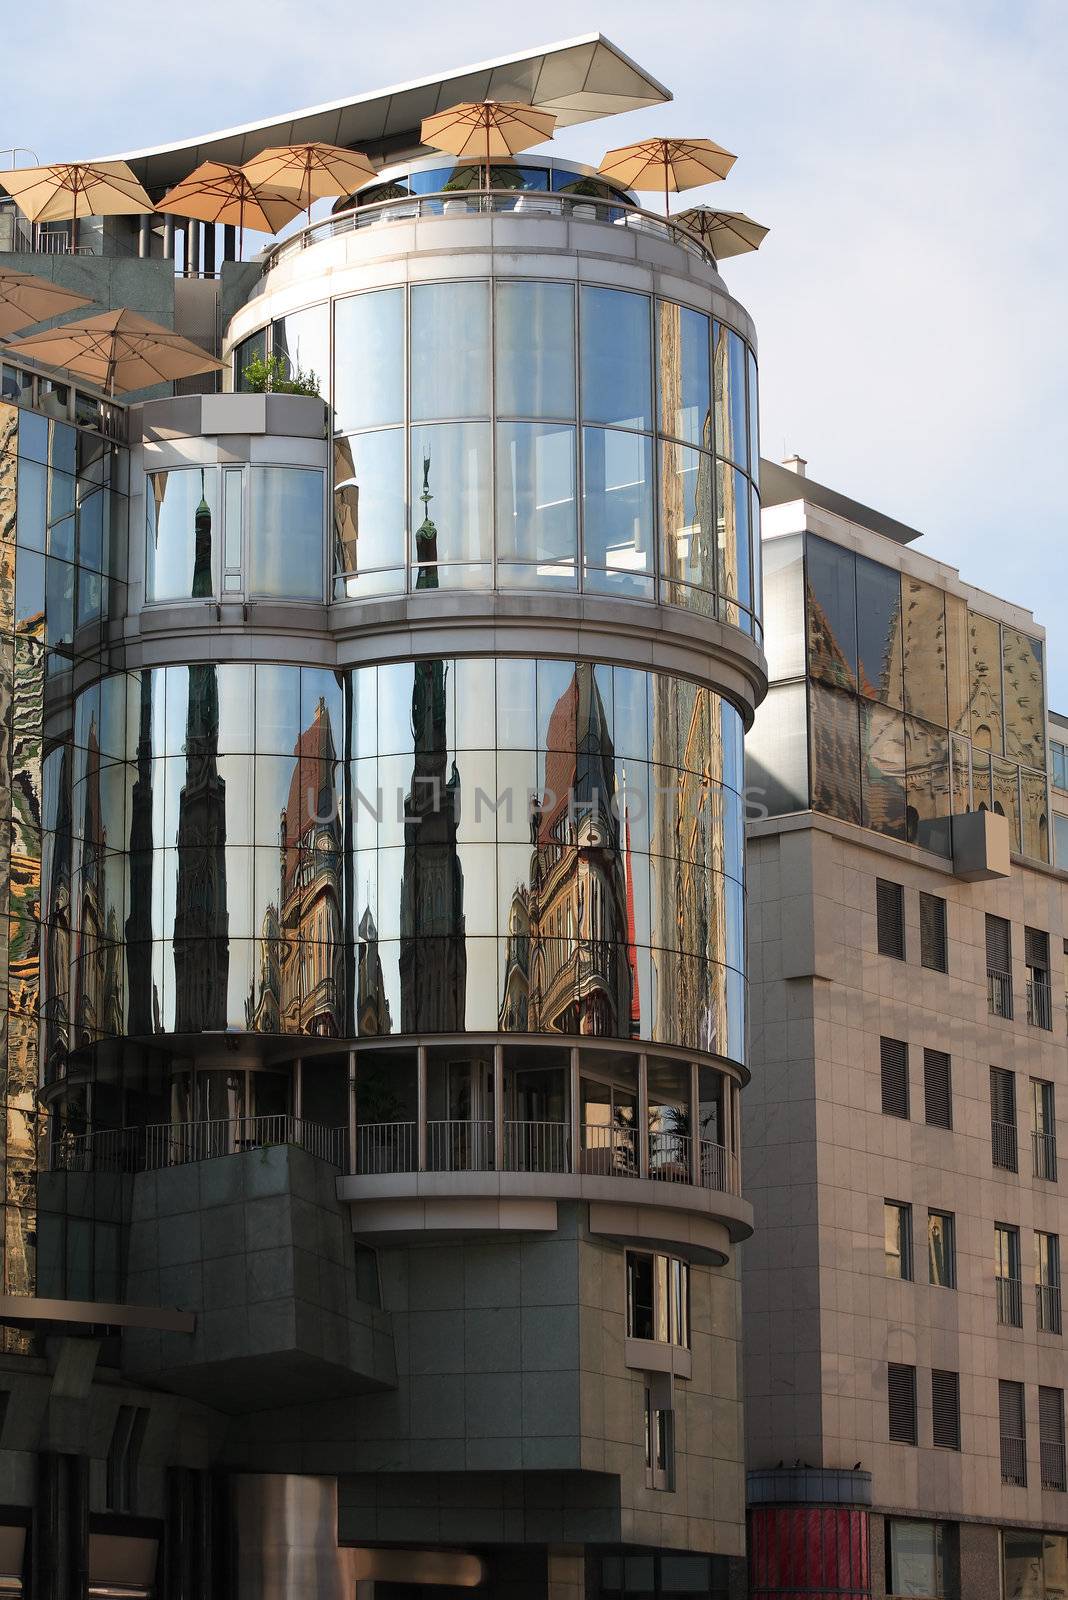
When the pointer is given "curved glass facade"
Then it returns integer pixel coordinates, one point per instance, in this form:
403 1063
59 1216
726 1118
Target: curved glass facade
427 847
530 434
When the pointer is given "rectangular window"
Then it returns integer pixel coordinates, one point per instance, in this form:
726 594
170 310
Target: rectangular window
1003 1119
945 1410
894 1067
933 946
1048 1282
1051 1438
1013 1438
659 1441
890 916
1007 1285
918 1558
658 1298
937 1089
1039 991
999 966
901 1400
233 500
1043 1130
285 544
1059 764
897 1229
941 1249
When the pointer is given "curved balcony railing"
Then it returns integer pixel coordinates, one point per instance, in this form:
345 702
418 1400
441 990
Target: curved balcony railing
605 1151
486 202
169 1144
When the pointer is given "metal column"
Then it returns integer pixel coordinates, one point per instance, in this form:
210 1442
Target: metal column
643 1115
420 1108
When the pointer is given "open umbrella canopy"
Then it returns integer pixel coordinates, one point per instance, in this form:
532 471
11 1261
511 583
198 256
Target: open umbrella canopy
487 130
25 300
667 165
118 351
726 233
73 189
216 192
310 171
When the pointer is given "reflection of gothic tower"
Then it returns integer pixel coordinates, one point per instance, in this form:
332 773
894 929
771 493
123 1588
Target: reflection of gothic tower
201 937
372 1004
310 910
55 1000
139 921
90 954
569 950
433 958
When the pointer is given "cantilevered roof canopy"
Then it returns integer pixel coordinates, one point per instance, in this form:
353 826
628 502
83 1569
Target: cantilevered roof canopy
579 80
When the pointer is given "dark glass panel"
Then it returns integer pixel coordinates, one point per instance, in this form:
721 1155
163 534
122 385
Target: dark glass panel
879 632
832 613
927 786
882 735
834 725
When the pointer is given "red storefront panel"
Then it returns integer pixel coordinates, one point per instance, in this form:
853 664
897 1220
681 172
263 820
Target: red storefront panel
808 1553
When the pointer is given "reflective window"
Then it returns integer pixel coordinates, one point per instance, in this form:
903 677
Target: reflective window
536 503
615 357
917 1559
369 510
302 339
535 349
784 604
690 552
924 644
730 397
617 505
181 513
878 632
286 533
776 754
1025 738
732 537
450 498
986 700
683 374
832 613
369 360
251 349
450 350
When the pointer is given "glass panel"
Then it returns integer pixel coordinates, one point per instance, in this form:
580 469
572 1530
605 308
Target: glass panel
879 632
754 424
835 743
925 650
913 1564
450 492
985 697
450 350
686 515
882 734
1034 814
1023 1565
286 532
832 613
536 510
940 1249
683 377
615 361
784 605
1006 792
617 500
776 754
249 350
369 360
302 339
181 509
1025 708
958 664
369 510
927 786
535 352
732 535
730 398
233 491
757 542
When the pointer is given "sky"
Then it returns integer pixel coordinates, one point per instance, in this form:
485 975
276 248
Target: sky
909 156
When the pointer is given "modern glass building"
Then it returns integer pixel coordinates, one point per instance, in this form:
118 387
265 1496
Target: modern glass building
375 960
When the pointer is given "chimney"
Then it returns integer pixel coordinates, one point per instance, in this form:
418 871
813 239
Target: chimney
796 464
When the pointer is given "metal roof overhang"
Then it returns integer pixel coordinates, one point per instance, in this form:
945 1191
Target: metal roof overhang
579 79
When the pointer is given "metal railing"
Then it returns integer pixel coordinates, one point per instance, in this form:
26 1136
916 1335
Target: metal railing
536 1146
384 1147
1003 1145
1051 1464
1039 1004
999 994
671 1157
1044 1153
459 1146
719 1168
1013 1461
1009 1295
610 1150
482 202
1048 1307
169 1144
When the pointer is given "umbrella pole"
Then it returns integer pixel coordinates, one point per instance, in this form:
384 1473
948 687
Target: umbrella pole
666 191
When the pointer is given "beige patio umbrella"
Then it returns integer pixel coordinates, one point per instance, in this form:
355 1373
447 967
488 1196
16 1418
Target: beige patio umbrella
726 233
667 164
73 189
25 300
311 171
118 351
216 192
487 130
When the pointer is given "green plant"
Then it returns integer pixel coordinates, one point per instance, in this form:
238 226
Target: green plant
273 376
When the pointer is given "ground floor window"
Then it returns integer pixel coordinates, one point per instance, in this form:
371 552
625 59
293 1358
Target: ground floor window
1034 1565
619 1576
919 1559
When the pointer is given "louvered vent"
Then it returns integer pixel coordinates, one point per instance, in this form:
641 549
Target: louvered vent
1013 1443
933 951
890 914
901 1395
945 1409
998 945
937 1089
894 1063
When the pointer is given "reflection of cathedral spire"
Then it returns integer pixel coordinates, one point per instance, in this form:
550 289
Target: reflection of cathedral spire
426 536
139 922
372 1003
201 922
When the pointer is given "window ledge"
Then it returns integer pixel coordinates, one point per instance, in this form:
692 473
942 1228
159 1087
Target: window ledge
654 1355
